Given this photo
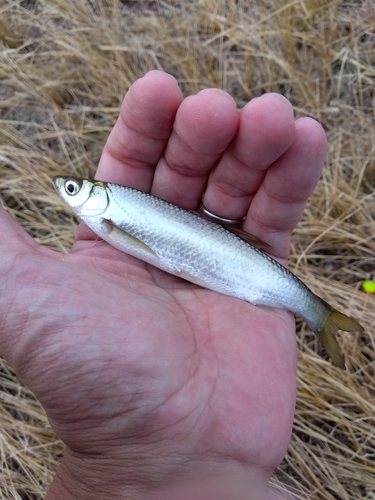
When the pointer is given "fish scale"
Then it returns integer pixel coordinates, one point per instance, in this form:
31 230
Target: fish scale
200 251
191 244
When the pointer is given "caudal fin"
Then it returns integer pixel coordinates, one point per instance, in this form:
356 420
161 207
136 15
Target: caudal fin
327 335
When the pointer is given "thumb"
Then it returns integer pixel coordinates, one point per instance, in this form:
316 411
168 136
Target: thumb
23 261
13 238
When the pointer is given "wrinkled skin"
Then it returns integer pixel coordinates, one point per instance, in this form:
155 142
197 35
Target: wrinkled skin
149 380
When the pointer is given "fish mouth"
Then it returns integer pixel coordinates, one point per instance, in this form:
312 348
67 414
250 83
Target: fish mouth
58 181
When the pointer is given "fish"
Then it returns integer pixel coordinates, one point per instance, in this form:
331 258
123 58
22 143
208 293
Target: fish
198 250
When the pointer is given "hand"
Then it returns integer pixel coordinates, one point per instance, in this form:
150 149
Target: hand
150 380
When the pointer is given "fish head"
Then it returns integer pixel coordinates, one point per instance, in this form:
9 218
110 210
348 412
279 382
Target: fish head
86 198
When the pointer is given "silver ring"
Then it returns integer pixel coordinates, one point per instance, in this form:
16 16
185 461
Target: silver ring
220 220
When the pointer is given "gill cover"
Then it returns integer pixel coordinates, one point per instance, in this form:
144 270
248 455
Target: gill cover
85 197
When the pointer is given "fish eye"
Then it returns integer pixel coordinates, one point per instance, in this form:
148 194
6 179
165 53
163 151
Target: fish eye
72 187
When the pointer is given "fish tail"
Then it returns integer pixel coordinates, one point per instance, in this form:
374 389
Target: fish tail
327 335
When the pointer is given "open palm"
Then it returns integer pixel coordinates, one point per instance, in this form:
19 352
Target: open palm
149 379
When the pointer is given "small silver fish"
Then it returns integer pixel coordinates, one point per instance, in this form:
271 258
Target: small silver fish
200 251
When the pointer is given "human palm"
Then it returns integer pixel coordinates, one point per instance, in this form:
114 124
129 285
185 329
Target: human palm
149 379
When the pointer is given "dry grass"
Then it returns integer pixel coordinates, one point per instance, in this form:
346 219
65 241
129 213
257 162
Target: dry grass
64 68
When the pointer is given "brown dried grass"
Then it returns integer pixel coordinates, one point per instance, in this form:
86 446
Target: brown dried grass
64 68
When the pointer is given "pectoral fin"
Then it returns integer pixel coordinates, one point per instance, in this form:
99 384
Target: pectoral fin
113 229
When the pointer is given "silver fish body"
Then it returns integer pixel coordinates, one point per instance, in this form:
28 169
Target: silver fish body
186 245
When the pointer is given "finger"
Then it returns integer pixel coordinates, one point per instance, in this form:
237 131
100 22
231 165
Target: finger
266 131
141 132
278 205
205 125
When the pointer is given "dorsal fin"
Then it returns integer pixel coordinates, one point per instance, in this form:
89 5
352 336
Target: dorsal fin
249 238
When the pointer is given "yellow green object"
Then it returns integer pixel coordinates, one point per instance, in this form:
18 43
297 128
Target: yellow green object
369 286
